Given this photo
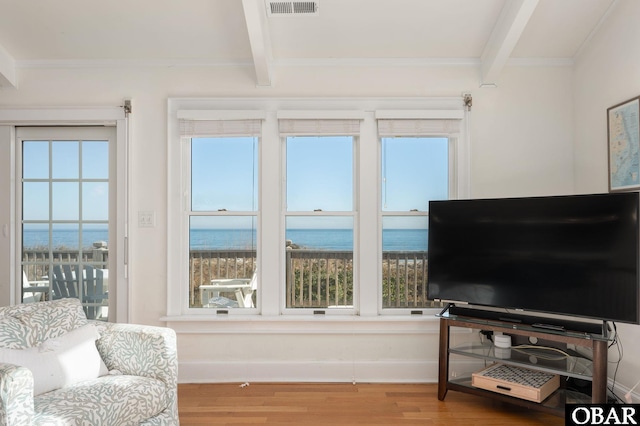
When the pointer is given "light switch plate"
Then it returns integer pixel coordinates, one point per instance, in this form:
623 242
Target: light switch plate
146 219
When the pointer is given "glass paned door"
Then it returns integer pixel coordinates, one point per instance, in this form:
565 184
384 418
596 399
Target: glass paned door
66 207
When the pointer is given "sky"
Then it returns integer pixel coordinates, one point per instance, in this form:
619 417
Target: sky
67 161
319 175
414 171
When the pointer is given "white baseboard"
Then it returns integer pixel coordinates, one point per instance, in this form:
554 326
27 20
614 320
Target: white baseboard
621 392
385 371
309 371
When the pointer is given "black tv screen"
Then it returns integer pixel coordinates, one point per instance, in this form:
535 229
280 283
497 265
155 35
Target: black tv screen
571 255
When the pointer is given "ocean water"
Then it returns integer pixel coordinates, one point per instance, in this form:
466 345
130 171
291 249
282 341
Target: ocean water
323 239
212 239
69 238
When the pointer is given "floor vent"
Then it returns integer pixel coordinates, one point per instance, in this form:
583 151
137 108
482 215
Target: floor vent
292 8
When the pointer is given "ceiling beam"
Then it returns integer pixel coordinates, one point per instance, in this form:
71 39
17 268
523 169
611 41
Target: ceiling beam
256 19
511 23
7 69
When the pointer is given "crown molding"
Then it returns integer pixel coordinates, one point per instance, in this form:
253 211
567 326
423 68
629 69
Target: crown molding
129 63
376 62
283 63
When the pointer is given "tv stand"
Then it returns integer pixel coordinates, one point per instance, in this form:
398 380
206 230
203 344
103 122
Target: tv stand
594 370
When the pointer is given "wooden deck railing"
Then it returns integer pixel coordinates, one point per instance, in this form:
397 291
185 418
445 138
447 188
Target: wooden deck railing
404 280
319 278
314 278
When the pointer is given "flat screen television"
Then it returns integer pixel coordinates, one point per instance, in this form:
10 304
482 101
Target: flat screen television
571 255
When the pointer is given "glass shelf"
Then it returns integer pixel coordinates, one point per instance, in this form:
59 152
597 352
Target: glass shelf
537 358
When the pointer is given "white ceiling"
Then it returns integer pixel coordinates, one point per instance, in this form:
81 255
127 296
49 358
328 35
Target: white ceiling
222 32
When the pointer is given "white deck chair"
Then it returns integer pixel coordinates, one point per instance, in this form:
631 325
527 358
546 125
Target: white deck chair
243 289
247 298
33 291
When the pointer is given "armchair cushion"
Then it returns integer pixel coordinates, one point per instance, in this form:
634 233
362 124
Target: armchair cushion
62 361
110 400
28 325
140 350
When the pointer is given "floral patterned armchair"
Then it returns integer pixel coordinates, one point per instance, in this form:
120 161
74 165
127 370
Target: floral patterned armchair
128 376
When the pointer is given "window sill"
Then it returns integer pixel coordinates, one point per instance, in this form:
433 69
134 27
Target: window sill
381 324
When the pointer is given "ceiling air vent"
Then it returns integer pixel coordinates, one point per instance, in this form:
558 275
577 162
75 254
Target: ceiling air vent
292 8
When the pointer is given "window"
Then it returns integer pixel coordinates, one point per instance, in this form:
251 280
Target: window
305 206
414 169
319 212
222 216
319 222
68 221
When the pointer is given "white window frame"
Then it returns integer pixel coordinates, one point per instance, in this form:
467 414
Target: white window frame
351 120
109 116
209 124
271 204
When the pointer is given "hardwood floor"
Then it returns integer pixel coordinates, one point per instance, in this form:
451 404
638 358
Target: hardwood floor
344 405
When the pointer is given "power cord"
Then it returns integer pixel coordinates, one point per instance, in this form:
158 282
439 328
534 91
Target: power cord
521 348
616 341
488 334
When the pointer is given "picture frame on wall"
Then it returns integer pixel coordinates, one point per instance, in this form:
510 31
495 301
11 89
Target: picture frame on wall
623 136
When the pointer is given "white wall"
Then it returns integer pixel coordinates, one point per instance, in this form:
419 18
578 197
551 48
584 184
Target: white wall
607 73
521 138
522 135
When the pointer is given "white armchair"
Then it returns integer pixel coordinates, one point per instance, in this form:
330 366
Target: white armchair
136 385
